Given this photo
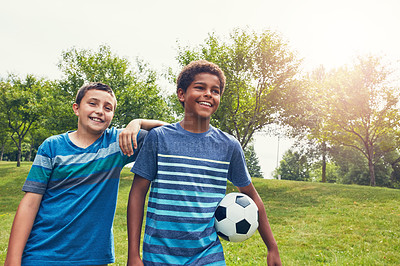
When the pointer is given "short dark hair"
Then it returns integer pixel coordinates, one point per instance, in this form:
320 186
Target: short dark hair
93 86
189 72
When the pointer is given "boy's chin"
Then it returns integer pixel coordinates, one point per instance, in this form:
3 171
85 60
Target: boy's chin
98 131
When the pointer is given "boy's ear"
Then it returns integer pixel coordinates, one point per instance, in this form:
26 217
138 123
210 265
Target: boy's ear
181 95
75 108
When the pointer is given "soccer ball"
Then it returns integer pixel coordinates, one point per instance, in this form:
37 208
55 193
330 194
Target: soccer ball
236 217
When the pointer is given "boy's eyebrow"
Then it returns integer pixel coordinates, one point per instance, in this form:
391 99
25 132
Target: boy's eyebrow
96 99
203 83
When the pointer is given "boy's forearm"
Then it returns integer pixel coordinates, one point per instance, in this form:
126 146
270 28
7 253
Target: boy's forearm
22 227
264 227
149 123
135 220
135 215
127 138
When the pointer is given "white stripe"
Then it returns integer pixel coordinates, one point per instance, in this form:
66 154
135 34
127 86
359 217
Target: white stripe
86 157
186 193
192 175
193 166
192 158
43 161
181 214
183 203
188 183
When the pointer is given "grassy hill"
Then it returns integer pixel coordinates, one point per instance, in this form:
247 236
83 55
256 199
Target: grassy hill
313 223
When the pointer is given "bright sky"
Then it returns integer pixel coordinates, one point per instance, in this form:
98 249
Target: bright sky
34 33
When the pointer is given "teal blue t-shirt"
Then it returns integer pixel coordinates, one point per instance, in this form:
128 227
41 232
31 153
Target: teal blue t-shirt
188 174
73 225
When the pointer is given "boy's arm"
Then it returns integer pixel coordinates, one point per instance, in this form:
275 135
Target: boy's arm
22 227
136 202
264 228
128 135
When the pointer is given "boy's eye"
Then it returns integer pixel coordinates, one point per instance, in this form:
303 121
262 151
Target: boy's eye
108 108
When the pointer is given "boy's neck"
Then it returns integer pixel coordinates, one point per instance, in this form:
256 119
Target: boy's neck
82 139
195 125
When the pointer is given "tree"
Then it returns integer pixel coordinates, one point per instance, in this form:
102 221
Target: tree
23 102
351 167
4 138
363 109
252 162
135 87
306 118
293 166
260 75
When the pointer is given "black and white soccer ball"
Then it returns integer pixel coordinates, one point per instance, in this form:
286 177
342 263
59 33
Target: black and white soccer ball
236 217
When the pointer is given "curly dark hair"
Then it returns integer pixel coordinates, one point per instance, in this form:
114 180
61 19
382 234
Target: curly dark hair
188 73
93 86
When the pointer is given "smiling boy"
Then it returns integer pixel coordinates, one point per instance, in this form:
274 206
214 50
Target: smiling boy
187 165
67 212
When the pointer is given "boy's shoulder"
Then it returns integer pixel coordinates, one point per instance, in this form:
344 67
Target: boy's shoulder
225 134
226 137
176 128
165 129
56 138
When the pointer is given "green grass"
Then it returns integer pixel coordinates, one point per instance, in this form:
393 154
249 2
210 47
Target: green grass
313 223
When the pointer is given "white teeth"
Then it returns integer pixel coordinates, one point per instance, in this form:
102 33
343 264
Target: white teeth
205 103
96 119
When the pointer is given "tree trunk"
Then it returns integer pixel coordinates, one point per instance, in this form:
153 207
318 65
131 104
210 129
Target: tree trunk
19 153
323 162
371 173
2 150
371 166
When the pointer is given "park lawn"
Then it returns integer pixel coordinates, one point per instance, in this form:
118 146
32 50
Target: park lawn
313 223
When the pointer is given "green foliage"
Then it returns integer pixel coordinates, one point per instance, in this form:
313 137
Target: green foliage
353 106
136 88
80 66
293 166
332 172
346 166
363 109
313 223
22 104
252 162
260 75
59 116
353 168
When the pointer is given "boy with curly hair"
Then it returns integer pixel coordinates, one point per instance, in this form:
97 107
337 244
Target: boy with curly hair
187 165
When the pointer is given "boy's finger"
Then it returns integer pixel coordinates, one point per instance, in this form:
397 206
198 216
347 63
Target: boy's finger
121 144
134 142
128 144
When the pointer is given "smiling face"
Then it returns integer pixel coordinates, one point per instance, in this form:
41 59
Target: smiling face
202 96
95 111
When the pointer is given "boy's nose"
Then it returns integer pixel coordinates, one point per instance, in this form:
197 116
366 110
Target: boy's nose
99 110
207 93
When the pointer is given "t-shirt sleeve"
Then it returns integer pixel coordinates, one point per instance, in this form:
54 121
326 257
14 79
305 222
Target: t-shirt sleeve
238 173
40 172
146 161
139 140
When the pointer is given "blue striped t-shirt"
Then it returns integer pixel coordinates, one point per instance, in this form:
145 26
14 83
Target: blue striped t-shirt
188 174
73 225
